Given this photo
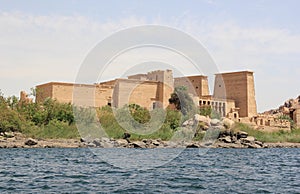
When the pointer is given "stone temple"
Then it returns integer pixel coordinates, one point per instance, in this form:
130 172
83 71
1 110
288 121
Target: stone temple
233 95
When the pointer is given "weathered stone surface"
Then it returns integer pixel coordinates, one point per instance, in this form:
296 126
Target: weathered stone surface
97 142
228 123
226 139
90 144
215 122
259 143
156 142
139 144
233 139
201 118
30 142
227 145
105 139
193 145
242 134
189 122
9 135
121 142
107 145
251 145
248 139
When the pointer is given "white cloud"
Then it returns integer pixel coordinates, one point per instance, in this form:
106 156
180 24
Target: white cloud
36 49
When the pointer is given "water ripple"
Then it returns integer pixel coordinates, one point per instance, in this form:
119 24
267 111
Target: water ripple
217 171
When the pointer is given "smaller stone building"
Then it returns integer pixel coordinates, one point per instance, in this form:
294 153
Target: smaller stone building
151 90
95 95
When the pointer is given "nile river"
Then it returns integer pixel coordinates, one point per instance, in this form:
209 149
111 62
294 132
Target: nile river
83 170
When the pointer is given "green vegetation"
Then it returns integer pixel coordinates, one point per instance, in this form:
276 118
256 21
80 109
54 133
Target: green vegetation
280 136
54 130
208 111
52 119
111 123
46 120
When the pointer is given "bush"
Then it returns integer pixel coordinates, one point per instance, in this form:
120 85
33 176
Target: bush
53 130
10 120
42 114
173 119
208 111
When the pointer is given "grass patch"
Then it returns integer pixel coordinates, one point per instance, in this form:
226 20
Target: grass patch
279 136
54 130
164 133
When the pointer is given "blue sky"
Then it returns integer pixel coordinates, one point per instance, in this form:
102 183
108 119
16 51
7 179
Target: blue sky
43 41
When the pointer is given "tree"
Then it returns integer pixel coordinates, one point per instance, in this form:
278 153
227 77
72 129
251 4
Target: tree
182 101
12 102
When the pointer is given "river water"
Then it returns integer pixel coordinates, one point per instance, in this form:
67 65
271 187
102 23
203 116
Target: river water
83 170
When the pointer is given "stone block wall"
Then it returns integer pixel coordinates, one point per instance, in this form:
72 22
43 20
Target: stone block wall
196 85
238 86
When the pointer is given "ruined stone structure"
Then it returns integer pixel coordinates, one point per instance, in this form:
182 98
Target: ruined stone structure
238 86
24 97
290 108
268 123
296 115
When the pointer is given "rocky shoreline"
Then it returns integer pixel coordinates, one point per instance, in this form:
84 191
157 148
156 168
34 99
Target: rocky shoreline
18 140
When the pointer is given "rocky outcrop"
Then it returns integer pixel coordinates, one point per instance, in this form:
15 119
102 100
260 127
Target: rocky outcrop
18 140
30 142
238 140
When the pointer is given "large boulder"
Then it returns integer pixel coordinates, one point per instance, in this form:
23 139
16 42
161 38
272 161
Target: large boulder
193 145
103 142
107 145
156 142
248 139
203 119
228 123
226 139
215 122
187 123
9 135
121 142
242 134
138 144
30 142
97 142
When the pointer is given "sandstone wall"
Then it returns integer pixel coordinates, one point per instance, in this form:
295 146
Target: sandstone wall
296 116
196 85
43 91
143 93
78 94
238 86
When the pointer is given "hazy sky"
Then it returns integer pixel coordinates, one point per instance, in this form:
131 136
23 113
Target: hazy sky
42 41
